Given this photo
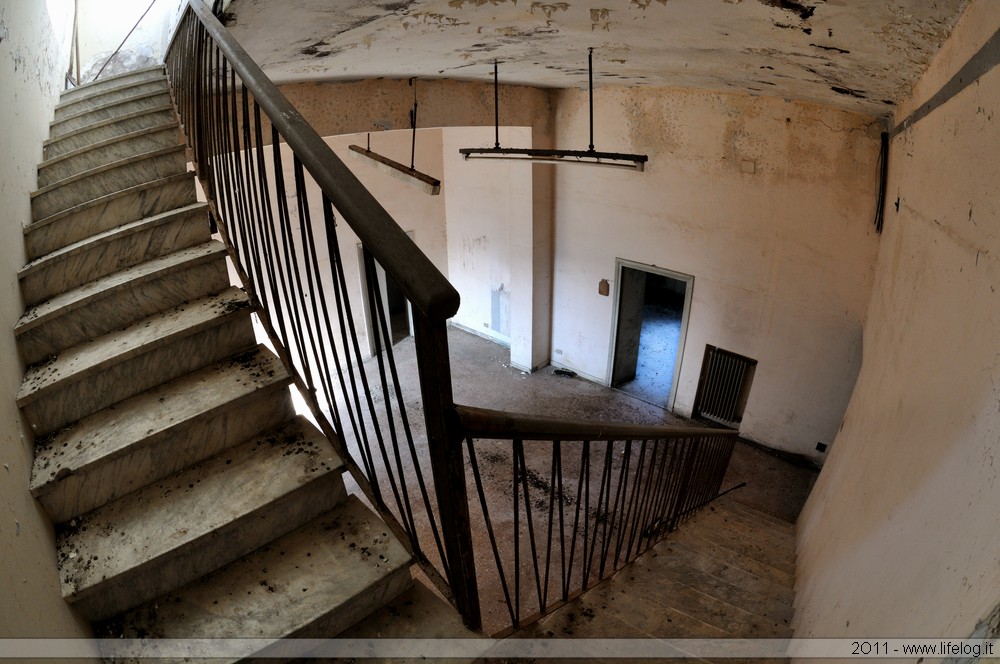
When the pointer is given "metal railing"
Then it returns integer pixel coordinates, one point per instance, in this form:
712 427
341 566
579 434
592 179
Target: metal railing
276 192
270 179
583 499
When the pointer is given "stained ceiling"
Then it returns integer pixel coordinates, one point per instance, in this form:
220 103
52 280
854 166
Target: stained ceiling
862 55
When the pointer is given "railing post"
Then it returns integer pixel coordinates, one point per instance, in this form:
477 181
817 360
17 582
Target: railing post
444 442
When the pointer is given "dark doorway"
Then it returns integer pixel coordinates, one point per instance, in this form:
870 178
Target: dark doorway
390 299
651 321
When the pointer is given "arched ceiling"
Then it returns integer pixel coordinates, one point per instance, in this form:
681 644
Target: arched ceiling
862 55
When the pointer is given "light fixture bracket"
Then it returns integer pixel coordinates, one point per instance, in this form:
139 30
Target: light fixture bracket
590 156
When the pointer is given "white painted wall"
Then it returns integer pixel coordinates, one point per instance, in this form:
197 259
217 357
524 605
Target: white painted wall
782 256
103 24
489 209
34 38
900 536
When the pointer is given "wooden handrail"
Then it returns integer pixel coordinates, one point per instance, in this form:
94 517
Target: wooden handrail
422 283
495 424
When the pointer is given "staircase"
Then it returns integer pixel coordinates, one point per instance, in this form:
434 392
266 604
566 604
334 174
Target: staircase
190 500
728 572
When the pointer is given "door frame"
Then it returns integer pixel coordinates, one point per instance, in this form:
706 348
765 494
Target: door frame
688 279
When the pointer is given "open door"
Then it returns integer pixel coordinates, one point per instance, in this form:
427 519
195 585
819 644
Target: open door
393 303
631 295
652 307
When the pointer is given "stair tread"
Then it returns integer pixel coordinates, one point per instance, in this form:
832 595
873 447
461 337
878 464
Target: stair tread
736 506
152 332
781 541
141 419
743 542
52 144
120 163
36 226
87 293
729 511
85 244
417 613
166 126
101 84
675 565
770 577
152 522
282 588
778 545
100 95
117 102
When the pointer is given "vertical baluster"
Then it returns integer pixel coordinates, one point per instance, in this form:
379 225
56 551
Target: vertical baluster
360 431
399 492
489 528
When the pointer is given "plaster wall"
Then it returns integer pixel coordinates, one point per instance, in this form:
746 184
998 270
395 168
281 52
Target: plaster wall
490 240
767 203
336 108
419 214
899 536
103 24
34 38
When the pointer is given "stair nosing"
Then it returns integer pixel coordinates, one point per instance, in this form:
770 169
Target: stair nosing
110 235
111 104
277 383
138 133
45 221
79 593
680 569
115 77
25 398
736 554
201 253
738 609
64 106
106 122
217 580
97 170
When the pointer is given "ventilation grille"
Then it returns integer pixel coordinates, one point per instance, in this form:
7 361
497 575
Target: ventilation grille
724 386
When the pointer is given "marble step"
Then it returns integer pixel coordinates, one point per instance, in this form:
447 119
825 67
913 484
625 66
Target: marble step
106 152
83 221
159 432
103 97
418 613
110 111
94 375
776 522
604 613
105 83
174 531
108 179
119 299
720 613
718 580
107 129
314 582
113 250
748 543
756 529
755 576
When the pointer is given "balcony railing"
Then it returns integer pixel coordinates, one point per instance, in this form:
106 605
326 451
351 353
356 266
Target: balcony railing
277 192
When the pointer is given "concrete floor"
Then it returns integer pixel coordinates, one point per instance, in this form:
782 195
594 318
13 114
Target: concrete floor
482 377
654 373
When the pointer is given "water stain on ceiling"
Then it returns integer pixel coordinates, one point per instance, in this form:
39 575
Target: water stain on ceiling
862 56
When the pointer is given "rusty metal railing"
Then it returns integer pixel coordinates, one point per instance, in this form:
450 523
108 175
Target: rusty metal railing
277 192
